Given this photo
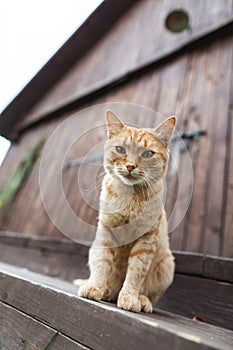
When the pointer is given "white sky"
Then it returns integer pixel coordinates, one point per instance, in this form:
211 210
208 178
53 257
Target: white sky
31 31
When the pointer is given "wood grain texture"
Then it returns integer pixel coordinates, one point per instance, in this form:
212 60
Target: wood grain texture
107 61
57 258
67 260
202 225
227 217
194 296
100 325
19 331
196 87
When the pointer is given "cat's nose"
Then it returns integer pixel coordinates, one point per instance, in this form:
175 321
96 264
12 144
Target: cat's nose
130 167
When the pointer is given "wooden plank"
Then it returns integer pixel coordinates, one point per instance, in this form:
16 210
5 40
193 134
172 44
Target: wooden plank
67 266
28 191
198 151
220 77
44 243
205 213
146 18
68 260
174 77
218 269
97 324
188 110
29 199
227 217
189 263
19 331
194 296
175 207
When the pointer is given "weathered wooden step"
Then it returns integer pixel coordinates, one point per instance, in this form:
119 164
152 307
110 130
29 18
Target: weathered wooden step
33 304
203 285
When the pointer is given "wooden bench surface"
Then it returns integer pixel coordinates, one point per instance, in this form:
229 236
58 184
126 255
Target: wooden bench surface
34 307
203 285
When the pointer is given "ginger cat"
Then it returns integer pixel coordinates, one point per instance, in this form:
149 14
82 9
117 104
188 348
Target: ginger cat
130 260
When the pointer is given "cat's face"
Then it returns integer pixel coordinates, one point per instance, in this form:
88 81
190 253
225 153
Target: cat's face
137 156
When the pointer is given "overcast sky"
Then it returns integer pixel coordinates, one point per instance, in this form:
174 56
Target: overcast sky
31 31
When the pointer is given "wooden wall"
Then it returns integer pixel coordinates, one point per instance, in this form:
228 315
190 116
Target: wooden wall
137 39
197 87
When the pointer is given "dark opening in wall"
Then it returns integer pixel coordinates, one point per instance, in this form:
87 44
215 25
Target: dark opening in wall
177 21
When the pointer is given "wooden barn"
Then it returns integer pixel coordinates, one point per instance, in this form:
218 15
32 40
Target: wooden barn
143 59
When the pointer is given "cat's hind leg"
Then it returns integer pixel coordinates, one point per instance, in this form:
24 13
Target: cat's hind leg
159 278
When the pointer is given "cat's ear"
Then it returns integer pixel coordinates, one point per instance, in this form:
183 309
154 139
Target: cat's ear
165 130
114 125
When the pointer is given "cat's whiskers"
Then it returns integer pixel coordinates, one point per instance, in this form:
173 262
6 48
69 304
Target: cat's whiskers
151 182
166 190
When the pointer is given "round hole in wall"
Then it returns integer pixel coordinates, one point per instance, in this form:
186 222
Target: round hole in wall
177 21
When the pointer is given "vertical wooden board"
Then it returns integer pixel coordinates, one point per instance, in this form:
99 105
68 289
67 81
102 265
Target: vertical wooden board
172 84
19 331
70 181
188 105
200 111
196 118
220 77
181 182
21 152
27 203
191 110
227 217
15 155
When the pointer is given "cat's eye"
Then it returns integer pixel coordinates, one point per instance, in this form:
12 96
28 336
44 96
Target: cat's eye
148 154
120 149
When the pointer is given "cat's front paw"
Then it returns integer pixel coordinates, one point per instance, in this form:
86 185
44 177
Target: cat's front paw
90 292
129 302
145 304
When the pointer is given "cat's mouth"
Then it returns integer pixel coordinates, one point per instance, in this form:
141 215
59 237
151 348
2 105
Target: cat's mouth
130 176
130 179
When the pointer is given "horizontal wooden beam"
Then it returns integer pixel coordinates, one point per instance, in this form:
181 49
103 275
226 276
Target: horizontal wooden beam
102 325
12 245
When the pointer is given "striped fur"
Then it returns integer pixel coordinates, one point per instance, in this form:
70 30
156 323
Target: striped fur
130 260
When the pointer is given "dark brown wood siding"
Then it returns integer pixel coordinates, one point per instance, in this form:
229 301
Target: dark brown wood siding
197 87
